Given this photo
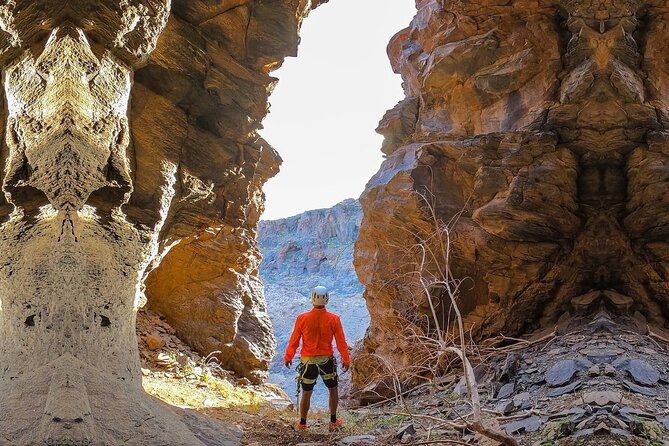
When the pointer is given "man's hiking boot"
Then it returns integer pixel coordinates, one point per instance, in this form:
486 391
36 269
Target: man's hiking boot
301 427
336 425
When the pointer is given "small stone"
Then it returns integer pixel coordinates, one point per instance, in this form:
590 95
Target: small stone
648 351
593 371
639 389
522 401
620 363
355 440
583 302
642 372
574 414
505 391
628 414
602 429
504 407
531 424
609 370
570 388
602 397
621 424
561 373
583 363
461 386
208 402
154 341
665 422
163 358
565 428
585 422
602 355
406 431
583 433
279 403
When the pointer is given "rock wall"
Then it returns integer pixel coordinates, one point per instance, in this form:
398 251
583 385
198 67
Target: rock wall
130 139
537 131
198 104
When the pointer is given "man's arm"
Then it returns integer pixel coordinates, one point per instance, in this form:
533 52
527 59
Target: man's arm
342 346
293 343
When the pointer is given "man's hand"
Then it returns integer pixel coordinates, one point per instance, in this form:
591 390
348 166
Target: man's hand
345 367
288 364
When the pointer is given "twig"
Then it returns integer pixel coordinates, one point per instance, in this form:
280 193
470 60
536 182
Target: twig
450 286
553 337
651 334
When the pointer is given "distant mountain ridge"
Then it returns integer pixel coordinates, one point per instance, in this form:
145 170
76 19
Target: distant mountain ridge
300 252
316 245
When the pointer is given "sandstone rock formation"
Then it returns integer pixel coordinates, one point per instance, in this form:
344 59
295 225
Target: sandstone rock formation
537 129
198 104
130 138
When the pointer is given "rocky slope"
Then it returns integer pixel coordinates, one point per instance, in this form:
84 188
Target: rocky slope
315 247
536 130
130 146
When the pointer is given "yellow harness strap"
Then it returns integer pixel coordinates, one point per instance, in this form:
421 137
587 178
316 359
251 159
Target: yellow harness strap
318 361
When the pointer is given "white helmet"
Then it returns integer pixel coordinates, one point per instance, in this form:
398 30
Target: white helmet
320 296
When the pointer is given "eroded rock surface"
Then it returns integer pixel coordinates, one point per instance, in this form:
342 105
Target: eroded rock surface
537 130
198 104
615 390
130 137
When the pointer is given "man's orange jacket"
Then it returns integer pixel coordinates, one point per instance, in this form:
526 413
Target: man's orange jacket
316 328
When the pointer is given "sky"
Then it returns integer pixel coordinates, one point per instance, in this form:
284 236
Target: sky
328 102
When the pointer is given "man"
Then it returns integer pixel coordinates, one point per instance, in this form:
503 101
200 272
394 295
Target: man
316 328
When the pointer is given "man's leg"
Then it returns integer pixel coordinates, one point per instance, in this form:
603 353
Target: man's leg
330 378
334 402
305 403
307 380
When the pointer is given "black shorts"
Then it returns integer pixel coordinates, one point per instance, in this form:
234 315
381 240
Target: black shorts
307 374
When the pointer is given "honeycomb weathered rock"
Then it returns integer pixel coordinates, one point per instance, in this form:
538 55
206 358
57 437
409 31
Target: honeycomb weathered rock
130 138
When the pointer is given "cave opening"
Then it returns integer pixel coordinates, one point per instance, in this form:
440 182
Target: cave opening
324 110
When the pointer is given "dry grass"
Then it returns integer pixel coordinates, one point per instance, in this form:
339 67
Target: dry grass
432 323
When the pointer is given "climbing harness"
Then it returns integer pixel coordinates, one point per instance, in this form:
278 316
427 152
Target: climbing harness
318 361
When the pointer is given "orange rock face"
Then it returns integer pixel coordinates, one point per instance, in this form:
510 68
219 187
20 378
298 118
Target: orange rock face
197 104
540 125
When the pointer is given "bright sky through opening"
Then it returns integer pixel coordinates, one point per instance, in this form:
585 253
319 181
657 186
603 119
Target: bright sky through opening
328 102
